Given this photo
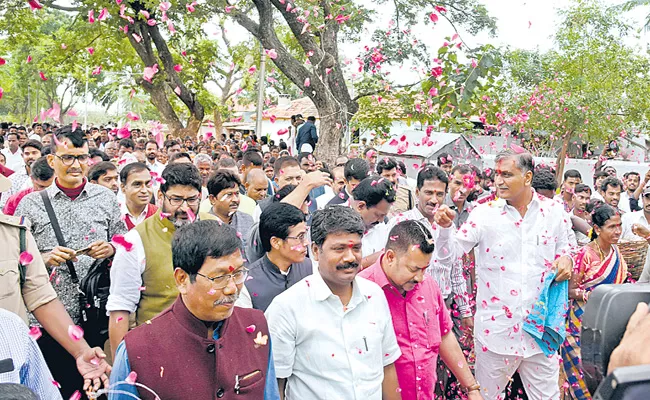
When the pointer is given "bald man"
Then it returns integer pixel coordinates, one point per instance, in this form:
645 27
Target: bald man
256 184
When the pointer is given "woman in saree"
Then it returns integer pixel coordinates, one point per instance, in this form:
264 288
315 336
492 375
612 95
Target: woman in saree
597 263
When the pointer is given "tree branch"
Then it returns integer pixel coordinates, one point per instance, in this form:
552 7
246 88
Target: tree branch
50 4
379 91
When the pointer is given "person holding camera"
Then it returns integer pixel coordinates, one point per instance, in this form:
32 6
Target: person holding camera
597 263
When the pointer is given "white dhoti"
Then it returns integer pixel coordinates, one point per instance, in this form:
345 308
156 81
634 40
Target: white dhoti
539 374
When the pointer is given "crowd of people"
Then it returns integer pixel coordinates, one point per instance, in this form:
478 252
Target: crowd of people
232 267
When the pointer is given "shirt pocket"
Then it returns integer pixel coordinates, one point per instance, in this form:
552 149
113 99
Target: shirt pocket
432 328
9 278
247 383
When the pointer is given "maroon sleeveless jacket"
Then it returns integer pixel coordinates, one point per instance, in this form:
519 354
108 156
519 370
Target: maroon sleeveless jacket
174 357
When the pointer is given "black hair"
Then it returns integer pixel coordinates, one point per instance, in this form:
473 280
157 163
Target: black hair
99 153
611 181
581 187
599 174
130 168
171 143
443 158
150 142
373 190
544 180
276 220
252 157
41 170
76 137
385 163
410 233
572 173
222 179
304 154
599 217
525 161
128 143
356 168
180 154
432 173
284 192
264 140
100 169
183 174
402 167
311 118
593 204
33 143
193 243
462 168
335 219
284 162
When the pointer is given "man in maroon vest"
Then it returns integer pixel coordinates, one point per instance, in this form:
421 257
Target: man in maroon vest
202 347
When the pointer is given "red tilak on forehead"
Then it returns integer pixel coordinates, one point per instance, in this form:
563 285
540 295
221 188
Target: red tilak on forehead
350 244
231 268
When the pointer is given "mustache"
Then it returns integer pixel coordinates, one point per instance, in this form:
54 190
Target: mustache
351 265
226 300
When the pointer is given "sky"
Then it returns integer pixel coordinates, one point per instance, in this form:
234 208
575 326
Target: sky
523 24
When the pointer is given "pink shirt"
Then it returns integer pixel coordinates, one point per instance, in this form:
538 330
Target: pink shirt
420 320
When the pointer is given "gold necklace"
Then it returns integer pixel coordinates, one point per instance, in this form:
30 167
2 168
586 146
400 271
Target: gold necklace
602 256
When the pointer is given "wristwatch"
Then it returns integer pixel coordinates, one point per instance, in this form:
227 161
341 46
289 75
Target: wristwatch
472 388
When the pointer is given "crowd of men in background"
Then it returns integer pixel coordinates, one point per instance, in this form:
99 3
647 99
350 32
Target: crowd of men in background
276 275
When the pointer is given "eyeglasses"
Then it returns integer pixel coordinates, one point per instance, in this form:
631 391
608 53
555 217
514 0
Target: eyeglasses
302 237
178 201
68 159
221 281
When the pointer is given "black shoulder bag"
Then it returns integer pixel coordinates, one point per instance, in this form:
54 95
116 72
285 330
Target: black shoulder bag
93 288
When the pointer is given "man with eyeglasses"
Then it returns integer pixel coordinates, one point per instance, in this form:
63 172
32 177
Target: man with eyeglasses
283 235
202 346
89 217
223 187
142 280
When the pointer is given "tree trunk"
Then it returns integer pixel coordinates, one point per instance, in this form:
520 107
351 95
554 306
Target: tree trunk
561 158
218 123
330 133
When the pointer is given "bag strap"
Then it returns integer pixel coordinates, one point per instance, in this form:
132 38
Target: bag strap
57 232
23 248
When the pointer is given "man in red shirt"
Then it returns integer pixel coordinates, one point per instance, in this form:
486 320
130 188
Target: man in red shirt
41 175
421 321
136 183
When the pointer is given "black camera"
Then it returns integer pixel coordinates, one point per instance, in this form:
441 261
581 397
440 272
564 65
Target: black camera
603 324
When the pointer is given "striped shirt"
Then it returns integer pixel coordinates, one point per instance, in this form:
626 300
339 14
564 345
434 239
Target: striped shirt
30 368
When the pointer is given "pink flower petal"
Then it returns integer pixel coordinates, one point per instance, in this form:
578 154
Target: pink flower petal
251 328
132 116
133 376
178 68
190 215
75 332
35 332
25 258
35 5
76 395
120 241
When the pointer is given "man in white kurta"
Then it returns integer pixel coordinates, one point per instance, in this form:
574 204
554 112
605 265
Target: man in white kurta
518 239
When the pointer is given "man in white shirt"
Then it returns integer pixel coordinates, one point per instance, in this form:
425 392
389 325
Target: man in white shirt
151 152
597 193
135 184
636 226
519 239
332 333
12 152
372 199
338 183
